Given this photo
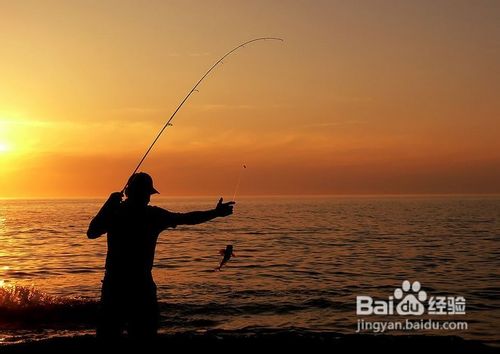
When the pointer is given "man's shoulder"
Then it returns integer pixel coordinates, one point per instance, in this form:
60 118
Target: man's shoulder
164 217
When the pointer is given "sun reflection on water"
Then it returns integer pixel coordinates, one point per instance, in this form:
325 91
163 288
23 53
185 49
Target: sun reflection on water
3 269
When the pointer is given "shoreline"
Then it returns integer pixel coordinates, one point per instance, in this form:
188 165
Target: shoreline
238 340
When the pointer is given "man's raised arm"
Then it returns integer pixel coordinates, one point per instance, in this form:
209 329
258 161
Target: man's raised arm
99 224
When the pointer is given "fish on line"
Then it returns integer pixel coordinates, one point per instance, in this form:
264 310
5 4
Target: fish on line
227 253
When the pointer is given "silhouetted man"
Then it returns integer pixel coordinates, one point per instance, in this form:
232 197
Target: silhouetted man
128 297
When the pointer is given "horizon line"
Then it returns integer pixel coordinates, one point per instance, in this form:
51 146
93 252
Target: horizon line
305 195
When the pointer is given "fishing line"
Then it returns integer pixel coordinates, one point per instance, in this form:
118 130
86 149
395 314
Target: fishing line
189 94
238 182
231 240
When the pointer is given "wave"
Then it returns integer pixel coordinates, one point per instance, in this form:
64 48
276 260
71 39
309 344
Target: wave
28 308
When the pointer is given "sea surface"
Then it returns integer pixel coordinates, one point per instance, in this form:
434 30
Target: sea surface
300 263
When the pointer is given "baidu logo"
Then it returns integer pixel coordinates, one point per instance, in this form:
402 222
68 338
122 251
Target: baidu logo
410 300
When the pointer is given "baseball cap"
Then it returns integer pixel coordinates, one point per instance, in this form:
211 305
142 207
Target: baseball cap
141 181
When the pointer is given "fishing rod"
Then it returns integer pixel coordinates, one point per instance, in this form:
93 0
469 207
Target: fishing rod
168 123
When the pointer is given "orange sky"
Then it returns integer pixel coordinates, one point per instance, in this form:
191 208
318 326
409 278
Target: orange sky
362 97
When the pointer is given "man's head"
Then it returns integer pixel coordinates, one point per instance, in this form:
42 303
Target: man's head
139 188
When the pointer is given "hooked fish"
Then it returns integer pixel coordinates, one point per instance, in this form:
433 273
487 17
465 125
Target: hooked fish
227 253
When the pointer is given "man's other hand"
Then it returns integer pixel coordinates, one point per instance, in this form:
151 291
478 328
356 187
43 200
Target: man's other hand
115 198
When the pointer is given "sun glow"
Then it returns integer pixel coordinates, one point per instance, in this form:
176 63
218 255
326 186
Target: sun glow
21 136
4 147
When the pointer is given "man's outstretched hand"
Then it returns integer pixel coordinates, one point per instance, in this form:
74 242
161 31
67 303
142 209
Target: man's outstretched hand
224 209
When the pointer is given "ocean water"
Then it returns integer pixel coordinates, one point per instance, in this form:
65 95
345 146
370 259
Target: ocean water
300 263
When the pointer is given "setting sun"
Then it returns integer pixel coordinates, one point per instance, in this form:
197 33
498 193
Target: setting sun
4 147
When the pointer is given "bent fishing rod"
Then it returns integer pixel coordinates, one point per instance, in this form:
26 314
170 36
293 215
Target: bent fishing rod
168 123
